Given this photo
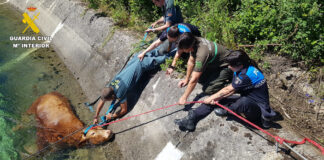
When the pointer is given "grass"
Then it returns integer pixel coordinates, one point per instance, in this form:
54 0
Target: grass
108 38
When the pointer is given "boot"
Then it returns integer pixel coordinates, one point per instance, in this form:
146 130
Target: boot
220 112
266 123
187 123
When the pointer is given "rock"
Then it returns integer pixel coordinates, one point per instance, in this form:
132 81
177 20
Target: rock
307 88
273 76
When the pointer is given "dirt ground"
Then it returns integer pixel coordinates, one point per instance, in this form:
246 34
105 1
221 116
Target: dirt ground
295 94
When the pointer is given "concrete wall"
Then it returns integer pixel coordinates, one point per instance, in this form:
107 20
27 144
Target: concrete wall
79 43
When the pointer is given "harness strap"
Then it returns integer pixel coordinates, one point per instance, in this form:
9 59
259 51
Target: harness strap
145 35
87 130
103 118
214 55
111 106
90 105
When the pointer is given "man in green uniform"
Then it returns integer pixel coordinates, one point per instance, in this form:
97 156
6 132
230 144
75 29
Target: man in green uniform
206 65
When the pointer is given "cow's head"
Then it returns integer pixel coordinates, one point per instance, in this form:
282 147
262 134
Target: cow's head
96 136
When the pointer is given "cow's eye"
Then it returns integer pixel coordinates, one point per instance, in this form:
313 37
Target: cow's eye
93 133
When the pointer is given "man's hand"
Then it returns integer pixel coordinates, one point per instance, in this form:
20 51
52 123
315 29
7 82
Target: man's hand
141 56
182 100
169 71
209 100
183 83
153 24
95 121
150 30
109 117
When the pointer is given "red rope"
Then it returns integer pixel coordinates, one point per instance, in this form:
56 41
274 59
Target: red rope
126 118
277 138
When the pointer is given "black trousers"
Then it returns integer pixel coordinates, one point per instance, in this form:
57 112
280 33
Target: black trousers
236 103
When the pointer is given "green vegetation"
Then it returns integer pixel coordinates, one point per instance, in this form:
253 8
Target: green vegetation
7 143
295 24
180 66
108 38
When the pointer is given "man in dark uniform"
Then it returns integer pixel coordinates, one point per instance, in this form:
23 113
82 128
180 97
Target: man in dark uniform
171 15
125 80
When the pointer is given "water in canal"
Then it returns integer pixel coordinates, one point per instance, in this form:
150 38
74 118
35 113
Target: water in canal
26 74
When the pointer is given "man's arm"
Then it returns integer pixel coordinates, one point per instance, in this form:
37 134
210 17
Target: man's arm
165 26
174 61
191 86
121 112
176 57
151 47
160 20
225 92
99 107
190 66
161 28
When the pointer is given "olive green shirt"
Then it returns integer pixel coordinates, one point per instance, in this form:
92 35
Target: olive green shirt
205 53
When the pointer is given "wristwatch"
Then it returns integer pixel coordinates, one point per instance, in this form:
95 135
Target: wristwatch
172 67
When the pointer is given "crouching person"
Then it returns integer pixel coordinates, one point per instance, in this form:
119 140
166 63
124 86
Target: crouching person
249 82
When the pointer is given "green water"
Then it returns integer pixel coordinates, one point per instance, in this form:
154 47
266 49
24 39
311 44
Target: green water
37 72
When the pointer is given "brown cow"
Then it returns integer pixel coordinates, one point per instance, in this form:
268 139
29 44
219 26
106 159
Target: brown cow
56 120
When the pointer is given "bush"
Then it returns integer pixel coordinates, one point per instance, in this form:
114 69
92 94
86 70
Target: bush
296 25
128 13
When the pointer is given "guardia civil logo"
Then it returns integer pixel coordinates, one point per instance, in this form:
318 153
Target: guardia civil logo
30 21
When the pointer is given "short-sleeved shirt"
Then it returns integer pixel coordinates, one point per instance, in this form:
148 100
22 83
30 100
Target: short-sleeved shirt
130 75
209 55
126 79
171 12
250 82
183 28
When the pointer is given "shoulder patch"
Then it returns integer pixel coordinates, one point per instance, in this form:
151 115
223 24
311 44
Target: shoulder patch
115 83
237 81
198 64
169 14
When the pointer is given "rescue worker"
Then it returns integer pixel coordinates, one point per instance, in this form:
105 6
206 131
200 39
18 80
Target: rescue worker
172 34
171 15
206 65
253 101
125 80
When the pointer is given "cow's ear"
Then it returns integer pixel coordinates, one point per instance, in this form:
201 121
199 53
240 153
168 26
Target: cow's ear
83 140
